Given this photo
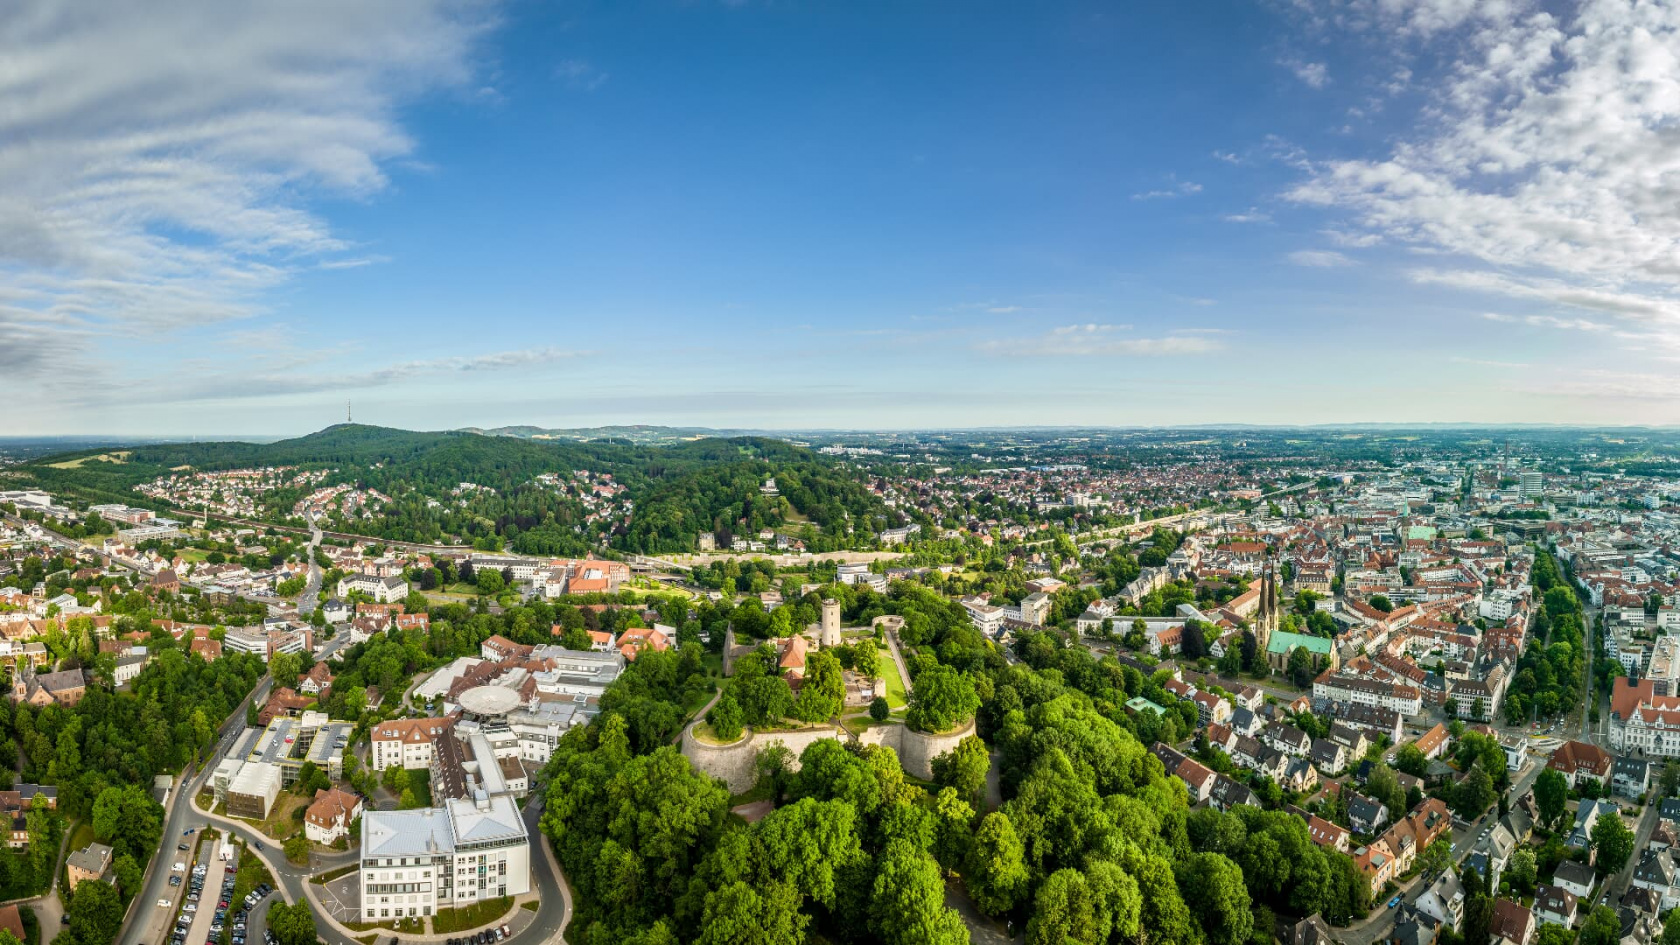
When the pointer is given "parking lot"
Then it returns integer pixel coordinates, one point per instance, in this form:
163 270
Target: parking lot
342 898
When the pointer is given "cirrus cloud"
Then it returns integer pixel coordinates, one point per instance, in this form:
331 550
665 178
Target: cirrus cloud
157 159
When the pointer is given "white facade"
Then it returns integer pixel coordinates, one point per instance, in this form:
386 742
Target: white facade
418 861
404 742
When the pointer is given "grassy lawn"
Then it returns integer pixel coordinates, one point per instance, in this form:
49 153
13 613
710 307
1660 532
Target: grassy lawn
703 733
697 703
422 790
895 683
470 917
531 906
282 822
81 836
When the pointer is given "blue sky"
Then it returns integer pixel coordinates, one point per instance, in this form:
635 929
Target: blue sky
794 215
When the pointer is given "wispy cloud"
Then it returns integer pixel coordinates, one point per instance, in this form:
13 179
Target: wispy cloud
1319 258
1314 74
1092 339
1177 189
1251 215
269 382
1543 158
156 159
580 74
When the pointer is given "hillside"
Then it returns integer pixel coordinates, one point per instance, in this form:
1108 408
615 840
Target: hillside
539 496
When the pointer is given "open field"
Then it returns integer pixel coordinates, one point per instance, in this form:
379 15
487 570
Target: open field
118 457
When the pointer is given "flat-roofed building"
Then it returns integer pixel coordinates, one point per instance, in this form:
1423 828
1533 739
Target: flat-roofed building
415 862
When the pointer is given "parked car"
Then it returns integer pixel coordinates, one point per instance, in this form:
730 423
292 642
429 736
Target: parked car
1394 902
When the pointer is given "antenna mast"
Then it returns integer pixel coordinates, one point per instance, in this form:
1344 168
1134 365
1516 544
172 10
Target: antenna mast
347 411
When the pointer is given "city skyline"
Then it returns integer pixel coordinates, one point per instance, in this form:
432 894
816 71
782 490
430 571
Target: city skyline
468 213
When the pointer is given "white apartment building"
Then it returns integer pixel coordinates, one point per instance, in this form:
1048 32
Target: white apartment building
409 743
382 589
415 862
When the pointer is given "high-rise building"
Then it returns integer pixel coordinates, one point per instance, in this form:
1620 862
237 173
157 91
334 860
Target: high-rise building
1532 484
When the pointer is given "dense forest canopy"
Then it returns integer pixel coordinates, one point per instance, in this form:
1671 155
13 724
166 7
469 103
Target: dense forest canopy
661 498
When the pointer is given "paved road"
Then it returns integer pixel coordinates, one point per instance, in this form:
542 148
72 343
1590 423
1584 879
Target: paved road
306 600
146 920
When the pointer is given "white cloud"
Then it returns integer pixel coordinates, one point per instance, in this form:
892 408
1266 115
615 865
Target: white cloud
1546 154
1178 189
1251 215
156 158
1094 339
1319 258
1314 74
1228 157
286 376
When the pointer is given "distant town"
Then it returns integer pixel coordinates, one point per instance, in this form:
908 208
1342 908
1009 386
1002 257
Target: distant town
1447 672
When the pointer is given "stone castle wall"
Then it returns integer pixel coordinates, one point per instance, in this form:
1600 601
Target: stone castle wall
734 763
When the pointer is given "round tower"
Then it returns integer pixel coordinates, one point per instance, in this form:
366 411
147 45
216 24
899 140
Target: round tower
830 623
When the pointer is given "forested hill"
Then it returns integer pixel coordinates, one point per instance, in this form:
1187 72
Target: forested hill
625 496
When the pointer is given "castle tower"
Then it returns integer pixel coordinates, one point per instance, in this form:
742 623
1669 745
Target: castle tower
830 635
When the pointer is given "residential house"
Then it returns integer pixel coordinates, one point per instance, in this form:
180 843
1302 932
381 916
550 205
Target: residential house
1444 899
1655 873
90 862
1576 878
1312 930
1376 863
1630 777
328 817
1327 756
1511 923
1586 816
1327 834
1364 814
1576 760
1555 904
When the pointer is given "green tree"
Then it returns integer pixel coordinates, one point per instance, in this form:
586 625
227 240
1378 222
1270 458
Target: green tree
1381 602
1551 796
954 815
879 708
284 667
909 900
808 844
490 581
1065 911
823 690
1612 843
1436 857
297 847
866 658
1522 870
1602 927
95 913
742 914
1671 930
1410 759
1215 887
1474 794
964 768
577 638
941 699
996 872
292 925
1550 933
1383 786
726 718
